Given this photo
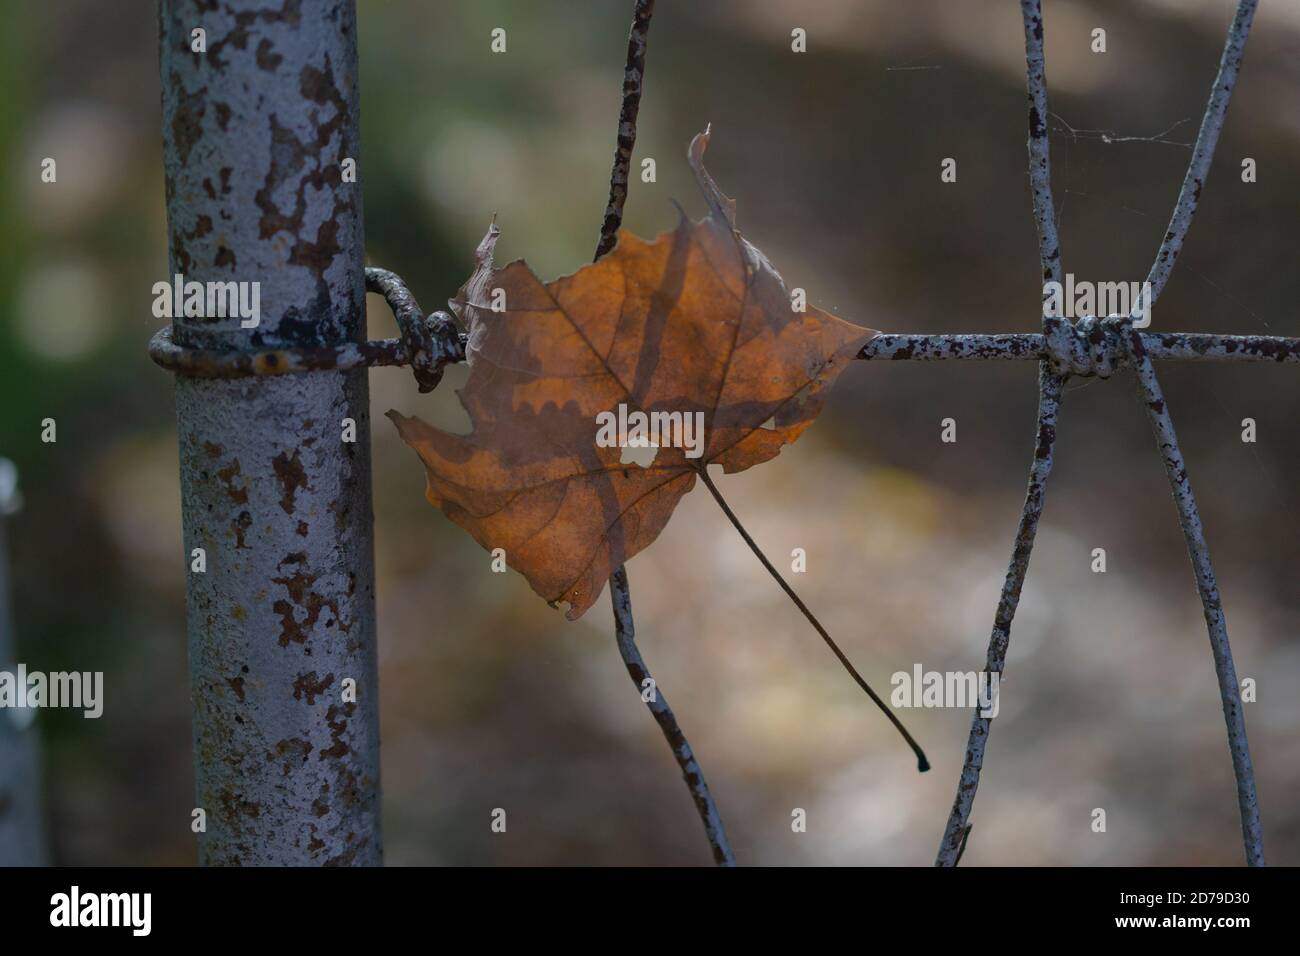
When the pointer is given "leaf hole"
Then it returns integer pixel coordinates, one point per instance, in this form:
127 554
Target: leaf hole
643 456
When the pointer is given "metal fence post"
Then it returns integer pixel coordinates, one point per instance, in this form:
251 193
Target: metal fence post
259 118
22 825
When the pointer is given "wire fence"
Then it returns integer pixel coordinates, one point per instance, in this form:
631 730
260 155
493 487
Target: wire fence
1091 347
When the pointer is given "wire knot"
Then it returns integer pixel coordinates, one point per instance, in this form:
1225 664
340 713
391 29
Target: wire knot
427 344
1090 347
430 341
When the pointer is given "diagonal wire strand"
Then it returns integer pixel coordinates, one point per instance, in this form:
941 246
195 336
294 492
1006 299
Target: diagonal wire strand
625 634
1135 344
1162 425
620 592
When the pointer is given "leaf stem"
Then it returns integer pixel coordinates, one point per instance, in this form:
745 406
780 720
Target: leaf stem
922 764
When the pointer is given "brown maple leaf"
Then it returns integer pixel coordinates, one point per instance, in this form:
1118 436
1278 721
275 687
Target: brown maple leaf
694 328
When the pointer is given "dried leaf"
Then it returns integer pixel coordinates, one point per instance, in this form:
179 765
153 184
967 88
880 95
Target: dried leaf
695 324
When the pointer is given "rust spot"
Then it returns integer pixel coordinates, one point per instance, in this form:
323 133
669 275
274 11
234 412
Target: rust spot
212 450
292 476
237 685
291 752
339 508
290 12
311 686
301 165
233 806
317 256
349 789
1046 438
288 156
187 122
338 727
240 526
343 859
336 750
301 529
268 361
301 596
266 59
239 495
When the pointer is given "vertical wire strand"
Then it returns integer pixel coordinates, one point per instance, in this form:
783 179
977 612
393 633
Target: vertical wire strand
1056 334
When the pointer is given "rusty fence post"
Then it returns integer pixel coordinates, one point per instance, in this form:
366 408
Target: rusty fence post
22 820
260 138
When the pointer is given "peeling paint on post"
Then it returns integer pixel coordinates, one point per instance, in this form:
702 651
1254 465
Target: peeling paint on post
255 131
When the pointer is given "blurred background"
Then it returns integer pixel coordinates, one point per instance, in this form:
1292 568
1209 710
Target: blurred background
489 698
